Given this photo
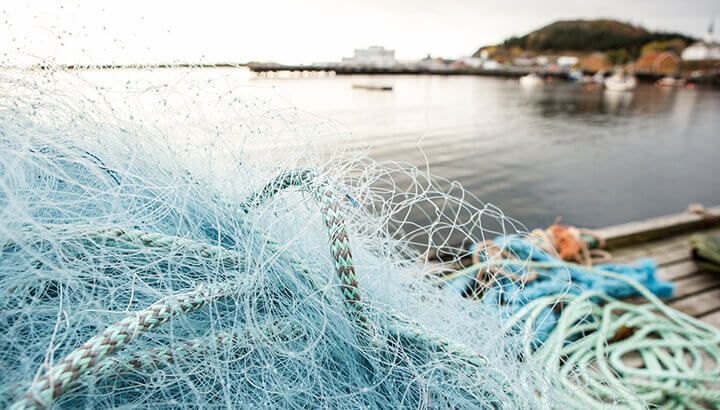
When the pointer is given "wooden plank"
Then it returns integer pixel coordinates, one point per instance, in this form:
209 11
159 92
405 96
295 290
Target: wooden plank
678 270
679 254
660 227
694 284
657 248
700 304
660 246
712 318
662 257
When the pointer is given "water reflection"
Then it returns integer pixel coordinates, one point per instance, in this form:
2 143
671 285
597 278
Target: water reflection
617 102
594 157
571 100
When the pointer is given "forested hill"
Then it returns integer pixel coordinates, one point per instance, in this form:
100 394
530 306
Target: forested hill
589 35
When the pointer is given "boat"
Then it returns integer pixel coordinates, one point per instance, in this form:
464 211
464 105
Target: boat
579 77
670 82
576 76
621 82
531 80
372 87
599 77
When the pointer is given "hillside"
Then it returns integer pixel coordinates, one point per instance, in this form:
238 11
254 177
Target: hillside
589 35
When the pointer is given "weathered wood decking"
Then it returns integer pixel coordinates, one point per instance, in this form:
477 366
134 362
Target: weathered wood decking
666 240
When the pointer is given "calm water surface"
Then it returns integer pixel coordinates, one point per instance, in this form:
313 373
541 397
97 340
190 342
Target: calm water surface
591 156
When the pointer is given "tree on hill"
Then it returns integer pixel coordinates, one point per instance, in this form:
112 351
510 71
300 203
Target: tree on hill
676 45
623 41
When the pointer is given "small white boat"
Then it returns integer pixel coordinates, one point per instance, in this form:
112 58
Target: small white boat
531 80
599 77
372 87
670 82
576 76
619 82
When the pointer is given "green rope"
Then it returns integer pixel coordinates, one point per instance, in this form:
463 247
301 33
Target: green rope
588 346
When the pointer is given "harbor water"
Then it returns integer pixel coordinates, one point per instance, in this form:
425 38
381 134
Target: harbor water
593 157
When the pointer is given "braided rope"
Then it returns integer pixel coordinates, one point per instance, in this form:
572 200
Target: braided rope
320 188
62 376
93 354
134 237
163 356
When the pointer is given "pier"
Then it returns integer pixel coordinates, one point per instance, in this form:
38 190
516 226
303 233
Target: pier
666 240
312 70
510 72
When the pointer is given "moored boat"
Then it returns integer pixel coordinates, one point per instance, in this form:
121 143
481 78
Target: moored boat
531 80
599 77
372 87
621 82
671 82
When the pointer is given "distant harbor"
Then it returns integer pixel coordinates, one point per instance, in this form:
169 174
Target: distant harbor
273 70
649 56
535 152
276 70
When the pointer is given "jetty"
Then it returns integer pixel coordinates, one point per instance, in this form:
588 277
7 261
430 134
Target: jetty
507 72
666 240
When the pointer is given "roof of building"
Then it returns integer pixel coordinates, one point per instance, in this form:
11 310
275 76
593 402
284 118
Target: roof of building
650 58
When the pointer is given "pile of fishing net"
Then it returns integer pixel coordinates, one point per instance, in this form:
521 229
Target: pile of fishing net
189 245
134 274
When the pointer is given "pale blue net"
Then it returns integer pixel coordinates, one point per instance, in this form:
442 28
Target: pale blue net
105 214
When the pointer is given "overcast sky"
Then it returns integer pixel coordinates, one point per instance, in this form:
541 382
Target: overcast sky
291 31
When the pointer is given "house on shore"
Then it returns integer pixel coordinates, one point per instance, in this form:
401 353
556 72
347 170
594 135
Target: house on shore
373 56
595 62
704 50
663 63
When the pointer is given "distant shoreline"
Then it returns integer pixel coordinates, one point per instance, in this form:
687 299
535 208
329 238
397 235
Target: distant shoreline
506 72
74 67
263 69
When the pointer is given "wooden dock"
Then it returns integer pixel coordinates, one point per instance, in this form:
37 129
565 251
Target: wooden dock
666 240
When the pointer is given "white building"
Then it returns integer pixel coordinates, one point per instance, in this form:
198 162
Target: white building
703 50
491 65
374 56
524 61
430 63
567 61
473 62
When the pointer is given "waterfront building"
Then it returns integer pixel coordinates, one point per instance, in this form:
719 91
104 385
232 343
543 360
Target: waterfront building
472 62
433 64
665 63
567 61
373 56
492 65
595 63
707 49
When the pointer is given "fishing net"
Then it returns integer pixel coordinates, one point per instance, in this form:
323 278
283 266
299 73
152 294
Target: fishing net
165 249
181 237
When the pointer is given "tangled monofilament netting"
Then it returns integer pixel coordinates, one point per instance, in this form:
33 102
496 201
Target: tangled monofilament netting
130 279
206 255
